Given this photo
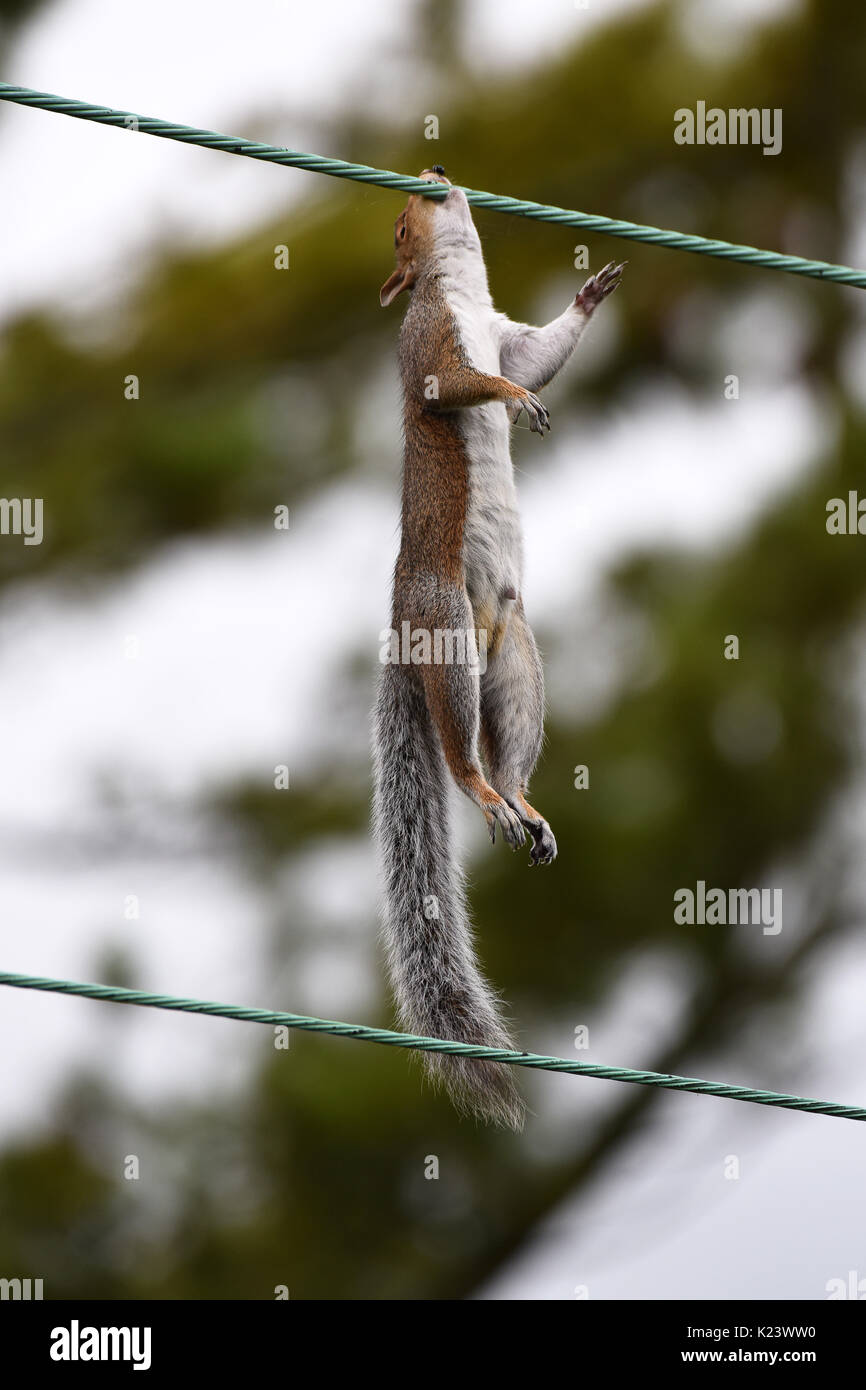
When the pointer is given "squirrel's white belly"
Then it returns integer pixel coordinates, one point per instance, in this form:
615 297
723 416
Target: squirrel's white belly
492 538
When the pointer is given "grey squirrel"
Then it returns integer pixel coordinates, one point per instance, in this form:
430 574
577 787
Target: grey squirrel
467 371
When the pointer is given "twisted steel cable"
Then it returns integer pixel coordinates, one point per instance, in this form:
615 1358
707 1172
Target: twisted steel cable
385 178
116 994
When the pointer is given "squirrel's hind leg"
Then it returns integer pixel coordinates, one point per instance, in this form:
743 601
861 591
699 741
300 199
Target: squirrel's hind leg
512 727
453 701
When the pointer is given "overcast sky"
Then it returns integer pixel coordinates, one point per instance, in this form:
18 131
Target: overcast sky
83 209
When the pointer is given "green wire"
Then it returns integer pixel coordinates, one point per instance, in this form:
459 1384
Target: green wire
633 231
117 995
363 173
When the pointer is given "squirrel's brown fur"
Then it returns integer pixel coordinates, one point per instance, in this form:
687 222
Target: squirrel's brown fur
465 371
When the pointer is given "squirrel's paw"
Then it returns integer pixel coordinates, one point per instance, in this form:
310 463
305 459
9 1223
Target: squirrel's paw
544 844
599 286
499 813
543 839
537 412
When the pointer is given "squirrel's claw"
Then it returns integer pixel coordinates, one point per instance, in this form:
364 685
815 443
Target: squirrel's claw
536 413
499 812
544 845
599 286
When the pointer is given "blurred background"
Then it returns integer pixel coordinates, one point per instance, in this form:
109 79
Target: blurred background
165 649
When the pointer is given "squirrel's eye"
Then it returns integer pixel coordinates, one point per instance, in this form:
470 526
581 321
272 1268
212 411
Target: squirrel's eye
402 232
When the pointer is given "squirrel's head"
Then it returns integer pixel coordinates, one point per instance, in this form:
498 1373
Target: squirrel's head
424 229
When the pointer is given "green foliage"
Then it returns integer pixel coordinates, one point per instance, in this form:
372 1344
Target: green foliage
331 1138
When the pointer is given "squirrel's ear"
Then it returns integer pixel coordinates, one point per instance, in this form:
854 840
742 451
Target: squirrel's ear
402 279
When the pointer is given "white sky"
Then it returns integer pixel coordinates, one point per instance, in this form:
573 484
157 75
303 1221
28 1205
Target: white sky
82 201
83 206
228 671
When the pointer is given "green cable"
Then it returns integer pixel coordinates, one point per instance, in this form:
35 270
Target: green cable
116 994
363 173
633 231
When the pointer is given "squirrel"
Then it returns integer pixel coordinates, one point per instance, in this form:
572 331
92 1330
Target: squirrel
467 373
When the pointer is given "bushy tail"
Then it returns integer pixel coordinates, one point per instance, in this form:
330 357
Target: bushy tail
439 989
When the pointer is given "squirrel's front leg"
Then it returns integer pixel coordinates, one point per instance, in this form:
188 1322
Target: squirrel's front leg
450 382
533 356
599 286
464 386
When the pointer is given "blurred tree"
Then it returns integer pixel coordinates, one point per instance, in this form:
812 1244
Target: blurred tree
14 11
12 14
329 1146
